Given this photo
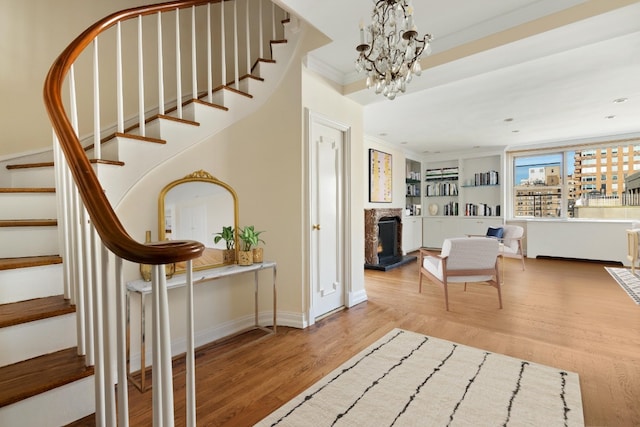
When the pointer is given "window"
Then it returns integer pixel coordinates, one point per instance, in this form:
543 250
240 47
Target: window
574 182
538 189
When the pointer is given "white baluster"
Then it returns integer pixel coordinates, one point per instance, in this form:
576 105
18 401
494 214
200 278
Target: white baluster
235 43
121 322
165 349
157 359
178 67
119 89
85 232
194 56
160 67
248 35
273 21
223 44
97 153
190 357
141 114
260 29
209 58
98 338
109 392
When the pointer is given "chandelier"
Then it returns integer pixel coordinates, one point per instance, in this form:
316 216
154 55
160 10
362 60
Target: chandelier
390 48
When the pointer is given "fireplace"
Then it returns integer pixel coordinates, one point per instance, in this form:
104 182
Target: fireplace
387 239
383 239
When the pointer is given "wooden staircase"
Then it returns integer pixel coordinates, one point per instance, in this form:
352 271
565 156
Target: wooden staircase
35 359
40 365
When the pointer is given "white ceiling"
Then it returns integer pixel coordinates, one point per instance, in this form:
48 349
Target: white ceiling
553 66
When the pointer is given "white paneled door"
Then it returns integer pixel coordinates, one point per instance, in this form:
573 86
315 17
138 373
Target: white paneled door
327 143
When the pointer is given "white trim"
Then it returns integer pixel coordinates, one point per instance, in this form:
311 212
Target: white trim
314 64
357 297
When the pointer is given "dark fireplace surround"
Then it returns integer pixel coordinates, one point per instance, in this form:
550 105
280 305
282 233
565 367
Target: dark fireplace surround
377 255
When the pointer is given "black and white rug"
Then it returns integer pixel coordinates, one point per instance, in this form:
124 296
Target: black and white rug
628 281
409 379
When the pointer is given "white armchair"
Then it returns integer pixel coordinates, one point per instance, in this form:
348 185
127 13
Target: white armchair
462 260
512 237
633 245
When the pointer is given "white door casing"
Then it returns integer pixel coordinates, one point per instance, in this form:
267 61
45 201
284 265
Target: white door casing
327 141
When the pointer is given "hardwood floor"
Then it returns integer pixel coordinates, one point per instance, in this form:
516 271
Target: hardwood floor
567 314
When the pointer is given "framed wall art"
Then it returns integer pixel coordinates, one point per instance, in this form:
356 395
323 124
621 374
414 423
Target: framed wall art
380 182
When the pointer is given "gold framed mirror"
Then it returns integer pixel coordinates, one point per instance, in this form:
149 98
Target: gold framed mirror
197 207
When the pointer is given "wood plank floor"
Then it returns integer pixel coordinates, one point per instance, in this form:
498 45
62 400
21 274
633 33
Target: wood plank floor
567 314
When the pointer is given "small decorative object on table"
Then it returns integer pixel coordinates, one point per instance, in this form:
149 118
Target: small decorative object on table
249 239
228 234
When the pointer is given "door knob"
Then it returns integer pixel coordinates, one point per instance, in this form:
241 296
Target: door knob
316 226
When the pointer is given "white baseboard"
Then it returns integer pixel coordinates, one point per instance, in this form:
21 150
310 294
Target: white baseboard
214 333
355 298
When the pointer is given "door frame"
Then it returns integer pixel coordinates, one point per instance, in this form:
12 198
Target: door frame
312 117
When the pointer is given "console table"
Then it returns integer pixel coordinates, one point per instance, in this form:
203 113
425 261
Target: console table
143 288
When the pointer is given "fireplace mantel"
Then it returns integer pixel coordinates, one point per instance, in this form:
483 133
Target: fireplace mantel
371 219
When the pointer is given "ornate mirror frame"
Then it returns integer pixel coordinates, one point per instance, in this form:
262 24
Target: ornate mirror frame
210 253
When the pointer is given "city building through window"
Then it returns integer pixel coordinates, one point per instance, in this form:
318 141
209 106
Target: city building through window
595 183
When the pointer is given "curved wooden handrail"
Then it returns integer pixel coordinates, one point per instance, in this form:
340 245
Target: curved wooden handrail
104 219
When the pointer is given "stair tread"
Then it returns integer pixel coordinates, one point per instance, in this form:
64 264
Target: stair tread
28 222
32 261
28 190
16 313
28 378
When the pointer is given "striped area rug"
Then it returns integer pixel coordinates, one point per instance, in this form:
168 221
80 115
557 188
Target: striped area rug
409 379
628 281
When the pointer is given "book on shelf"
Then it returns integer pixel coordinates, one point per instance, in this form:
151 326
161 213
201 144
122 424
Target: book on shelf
486 178
441 174
441 189
481 209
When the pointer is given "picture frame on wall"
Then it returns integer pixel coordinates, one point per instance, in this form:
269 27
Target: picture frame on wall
380 177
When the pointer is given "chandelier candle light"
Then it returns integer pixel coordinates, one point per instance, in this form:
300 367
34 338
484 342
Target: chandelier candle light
389 48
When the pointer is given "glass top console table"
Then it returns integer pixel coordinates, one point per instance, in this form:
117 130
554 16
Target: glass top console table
143 289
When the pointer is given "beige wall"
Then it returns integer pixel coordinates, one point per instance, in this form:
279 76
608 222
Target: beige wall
32 35
261 158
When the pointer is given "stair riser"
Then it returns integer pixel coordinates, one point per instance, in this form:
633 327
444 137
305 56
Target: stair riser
28 241
27 340
251 86
33 177
53 408
28 283
28 205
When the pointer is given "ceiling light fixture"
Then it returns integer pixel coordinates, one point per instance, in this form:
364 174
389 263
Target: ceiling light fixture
390 48
620 100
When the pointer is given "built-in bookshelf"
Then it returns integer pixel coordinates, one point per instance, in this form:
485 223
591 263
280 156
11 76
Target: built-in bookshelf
413 196
468 187
462 196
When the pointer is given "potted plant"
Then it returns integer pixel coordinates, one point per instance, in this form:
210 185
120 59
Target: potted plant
228 234
248 240
258 252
